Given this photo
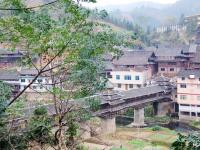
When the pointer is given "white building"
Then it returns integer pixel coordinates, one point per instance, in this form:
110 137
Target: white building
42 84
132 70
127 79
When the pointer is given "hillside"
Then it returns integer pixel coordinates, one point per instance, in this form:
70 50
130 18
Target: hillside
154 14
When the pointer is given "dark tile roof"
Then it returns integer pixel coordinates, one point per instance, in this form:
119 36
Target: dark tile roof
108 65
9 75
28 72
168 52
142 91
6 52
138 57
192 48
187 73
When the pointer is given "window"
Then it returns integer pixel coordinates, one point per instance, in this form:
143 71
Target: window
39 80
162 69
119 85
198 98
34 87
171 69
137 77
127 77
23 80
117 77
199 79
183 78
183 97
130 86
183 86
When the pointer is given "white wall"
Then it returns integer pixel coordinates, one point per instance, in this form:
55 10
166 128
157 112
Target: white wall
142 79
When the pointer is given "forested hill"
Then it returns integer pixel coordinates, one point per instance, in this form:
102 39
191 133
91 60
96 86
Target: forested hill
153 14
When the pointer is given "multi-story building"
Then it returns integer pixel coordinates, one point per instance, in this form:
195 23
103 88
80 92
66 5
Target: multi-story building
11 78
127 79
195 18
133 70
9 59
170 61
188 94
42 84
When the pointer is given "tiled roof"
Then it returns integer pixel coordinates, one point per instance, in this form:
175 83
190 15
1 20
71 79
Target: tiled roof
9 75
168 52
192 48
4 51
142 91
28 72
187 73
139 57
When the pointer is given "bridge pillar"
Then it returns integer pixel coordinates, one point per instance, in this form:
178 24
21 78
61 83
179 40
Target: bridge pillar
108 125
139 117
161 109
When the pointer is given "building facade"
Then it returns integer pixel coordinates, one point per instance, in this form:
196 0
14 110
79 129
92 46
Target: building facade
9 59
188 94
195 18
132 70
42 84
128 79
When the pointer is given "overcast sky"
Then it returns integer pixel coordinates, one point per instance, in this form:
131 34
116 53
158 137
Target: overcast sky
119 2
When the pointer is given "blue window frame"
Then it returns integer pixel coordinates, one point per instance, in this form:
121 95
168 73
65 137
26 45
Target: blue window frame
137 77
127 77
117 77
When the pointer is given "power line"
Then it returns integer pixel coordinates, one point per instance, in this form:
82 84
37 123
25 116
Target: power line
29 8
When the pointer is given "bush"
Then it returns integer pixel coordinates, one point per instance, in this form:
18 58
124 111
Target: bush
156 128
40 111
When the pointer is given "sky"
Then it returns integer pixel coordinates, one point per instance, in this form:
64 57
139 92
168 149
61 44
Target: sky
120 2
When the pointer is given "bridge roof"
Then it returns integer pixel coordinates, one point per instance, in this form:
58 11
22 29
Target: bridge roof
142 92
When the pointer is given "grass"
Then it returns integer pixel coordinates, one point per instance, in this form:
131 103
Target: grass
118 148
138 144
195 124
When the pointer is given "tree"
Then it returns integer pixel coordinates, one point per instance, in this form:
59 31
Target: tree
61 31
182 19
190 142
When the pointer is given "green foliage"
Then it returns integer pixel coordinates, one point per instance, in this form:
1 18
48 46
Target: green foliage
138 144
190 142
81 147
39 127
41 111
93 103
114 148
130 112
5 94
191 27
149 112
156 128
59 30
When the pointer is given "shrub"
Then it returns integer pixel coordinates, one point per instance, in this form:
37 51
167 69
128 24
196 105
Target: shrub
156 128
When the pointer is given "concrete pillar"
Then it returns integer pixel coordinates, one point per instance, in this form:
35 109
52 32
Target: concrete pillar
139 117
161 109
108 125
85 131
